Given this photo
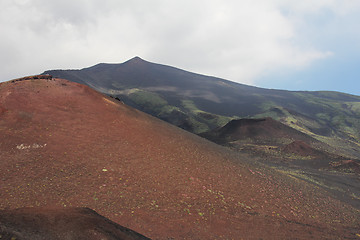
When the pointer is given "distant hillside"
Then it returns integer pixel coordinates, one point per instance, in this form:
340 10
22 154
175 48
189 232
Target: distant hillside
273 140
260 130
200 103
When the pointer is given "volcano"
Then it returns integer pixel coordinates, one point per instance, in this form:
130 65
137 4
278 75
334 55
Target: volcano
64 145
200 103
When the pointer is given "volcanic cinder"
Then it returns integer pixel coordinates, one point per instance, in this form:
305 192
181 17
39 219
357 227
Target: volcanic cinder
63 144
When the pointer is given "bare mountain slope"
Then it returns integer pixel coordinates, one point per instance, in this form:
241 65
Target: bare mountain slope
63 144
201 103
298 154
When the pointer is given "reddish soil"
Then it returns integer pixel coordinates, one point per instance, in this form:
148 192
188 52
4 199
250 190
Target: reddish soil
348 166
301 148
61 223
65 145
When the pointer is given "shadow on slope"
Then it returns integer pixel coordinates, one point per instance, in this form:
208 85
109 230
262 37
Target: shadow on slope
61 223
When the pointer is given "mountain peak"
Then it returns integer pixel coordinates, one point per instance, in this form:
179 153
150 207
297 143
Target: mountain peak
136 59
135 62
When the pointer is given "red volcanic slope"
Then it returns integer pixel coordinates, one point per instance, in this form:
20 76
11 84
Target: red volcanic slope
59 224
302 149
350 166
63 144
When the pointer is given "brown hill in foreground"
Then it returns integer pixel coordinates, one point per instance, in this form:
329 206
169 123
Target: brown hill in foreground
61 223
65 145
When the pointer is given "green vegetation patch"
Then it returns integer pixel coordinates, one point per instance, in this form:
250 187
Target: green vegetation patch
267 105
323 116
354 106
190 105
198 126
274 111
214 119
167 109
205 118
146 99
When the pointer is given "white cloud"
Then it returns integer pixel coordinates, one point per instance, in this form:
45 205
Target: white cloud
237 40
339 7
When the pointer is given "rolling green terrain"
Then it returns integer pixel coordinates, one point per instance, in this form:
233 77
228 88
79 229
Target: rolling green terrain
201 103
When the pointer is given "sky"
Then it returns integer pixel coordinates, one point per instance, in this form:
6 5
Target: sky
280 44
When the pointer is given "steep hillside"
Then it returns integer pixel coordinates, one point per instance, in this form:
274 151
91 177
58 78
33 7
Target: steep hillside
200 103
63 144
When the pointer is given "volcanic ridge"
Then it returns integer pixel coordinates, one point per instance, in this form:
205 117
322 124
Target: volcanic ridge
64 145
